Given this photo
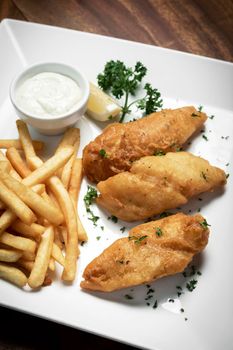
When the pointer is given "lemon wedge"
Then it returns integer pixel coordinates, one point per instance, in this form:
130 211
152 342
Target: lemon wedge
101 106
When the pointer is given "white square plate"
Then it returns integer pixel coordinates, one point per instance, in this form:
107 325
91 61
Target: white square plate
183 79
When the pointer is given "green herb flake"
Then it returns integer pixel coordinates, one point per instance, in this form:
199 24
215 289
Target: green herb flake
158 232
191 285
171 300
113 218
98 238
102 228
137 240
204 224
227 175
200 108
149 297
159 153
155 304
181 310
103 153
205 137
227 164
89 198
164 214
179 287
185 319
150 290
211 117
122 229
128 297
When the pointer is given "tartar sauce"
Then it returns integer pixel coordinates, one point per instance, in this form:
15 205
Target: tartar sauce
48 94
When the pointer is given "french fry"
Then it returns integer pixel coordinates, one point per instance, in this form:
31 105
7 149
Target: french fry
52 264
72 250
34 231
57 254
17 162
25 139
41 264
28 256
18 207
27 265
39 189
8 217
4 165
32 199
82 235
10 255
47 169
75 180
13 173
5 144
57 237
12 274
67 169
69 138
17 242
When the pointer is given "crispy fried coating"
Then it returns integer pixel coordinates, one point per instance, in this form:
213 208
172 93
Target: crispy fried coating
152 250
157 183
164 131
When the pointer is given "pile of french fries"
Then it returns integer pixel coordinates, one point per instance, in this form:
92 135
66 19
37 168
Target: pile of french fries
39 224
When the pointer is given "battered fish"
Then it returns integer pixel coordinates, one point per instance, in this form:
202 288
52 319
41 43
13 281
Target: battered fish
155 184
153 250
120 144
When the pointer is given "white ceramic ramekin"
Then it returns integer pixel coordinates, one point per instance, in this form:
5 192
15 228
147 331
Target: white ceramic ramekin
52 125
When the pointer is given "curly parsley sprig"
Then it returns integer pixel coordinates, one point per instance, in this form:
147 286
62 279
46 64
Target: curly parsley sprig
119 80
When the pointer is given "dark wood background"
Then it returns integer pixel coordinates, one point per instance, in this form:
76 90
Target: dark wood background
203 27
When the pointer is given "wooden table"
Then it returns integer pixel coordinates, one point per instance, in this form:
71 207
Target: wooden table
203 27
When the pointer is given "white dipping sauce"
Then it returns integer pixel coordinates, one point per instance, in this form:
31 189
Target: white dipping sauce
48 94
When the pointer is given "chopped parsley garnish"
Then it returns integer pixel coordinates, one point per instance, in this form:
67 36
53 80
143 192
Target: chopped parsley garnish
185 319
200 108
158 232
122 81
181 310
198 210
150 290
179 287
89 198
113 218
149 297
205 137
128 297
227 164
227 175
171 300
191 285
155 304
110 117
137 240
211 117
159 153
122 229
103 153
98 238
204 224
102 228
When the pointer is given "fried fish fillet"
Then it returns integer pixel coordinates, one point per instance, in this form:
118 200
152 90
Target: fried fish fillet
121 144
152 250
155 184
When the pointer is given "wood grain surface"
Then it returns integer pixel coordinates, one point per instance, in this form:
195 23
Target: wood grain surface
202 27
